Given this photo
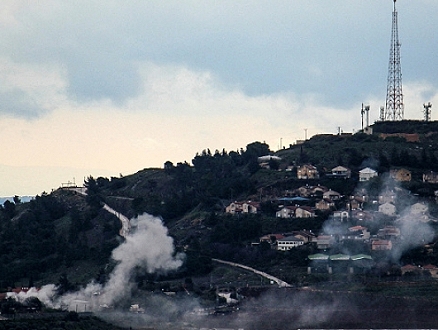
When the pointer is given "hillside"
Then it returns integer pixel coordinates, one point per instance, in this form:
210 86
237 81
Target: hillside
68 239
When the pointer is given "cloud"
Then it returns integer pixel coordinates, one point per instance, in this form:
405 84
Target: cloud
29 91
315 48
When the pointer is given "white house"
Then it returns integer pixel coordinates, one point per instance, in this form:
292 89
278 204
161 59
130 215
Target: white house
341 215
419 208
341 172
366 174
288 243
387 209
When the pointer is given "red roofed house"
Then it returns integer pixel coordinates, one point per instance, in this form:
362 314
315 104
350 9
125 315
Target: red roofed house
381 245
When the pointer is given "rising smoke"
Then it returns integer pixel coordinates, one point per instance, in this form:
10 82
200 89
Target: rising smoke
148 248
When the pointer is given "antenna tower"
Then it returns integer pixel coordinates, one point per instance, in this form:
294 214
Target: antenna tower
382 113
427 111
394 109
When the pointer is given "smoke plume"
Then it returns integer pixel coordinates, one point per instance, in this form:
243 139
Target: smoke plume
148 248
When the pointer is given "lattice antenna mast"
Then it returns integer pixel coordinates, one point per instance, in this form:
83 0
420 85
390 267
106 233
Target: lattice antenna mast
427 111
394 109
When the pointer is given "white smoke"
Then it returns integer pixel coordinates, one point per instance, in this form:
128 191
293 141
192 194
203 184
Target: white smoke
415 230
149 248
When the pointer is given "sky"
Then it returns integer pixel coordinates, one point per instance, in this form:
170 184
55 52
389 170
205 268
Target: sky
108 88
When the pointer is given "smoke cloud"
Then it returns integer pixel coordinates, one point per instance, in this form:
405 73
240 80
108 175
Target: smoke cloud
147 248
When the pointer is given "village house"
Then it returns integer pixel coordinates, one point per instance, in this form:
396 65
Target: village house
361 231
361 215
305 235
307 171
341 215
324 242
355 202
430 177
332 195
432 269
324 204
271 238
264 161
304 212
311 191
387 209
289 242
389 232
401 175
419 208
366 174
381 245
420 270
387 196
286 212
243 207
417 212
340 172
415 270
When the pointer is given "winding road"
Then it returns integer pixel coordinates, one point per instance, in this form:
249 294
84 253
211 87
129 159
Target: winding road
126 224
126 227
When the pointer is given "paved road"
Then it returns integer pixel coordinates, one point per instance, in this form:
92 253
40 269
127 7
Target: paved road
126 224
280 283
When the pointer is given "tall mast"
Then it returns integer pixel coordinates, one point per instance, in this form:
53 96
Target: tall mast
394 109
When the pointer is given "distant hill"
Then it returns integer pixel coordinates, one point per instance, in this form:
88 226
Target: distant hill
24 199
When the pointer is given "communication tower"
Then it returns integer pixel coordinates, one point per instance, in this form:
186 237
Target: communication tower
365 111
394 109
427 111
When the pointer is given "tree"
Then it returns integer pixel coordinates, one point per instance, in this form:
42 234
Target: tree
395 157
274 164
384 164
168 167
94 199
9 209
255 150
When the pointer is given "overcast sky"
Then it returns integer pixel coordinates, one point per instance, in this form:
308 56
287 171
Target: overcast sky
105 88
